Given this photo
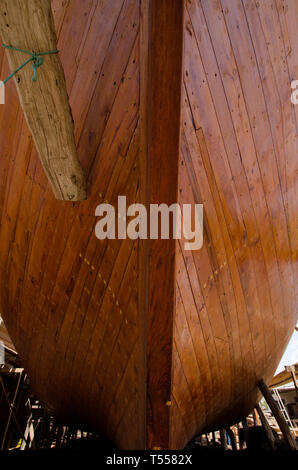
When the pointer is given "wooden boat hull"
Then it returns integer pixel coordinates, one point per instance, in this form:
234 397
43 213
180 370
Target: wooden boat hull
142 340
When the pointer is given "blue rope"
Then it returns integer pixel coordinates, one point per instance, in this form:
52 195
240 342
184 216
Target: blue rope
36 59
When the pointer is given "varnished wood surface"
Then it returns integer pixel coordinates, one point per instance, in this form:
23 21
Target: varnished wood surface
29 26
94 322
236 304
70 300
165 40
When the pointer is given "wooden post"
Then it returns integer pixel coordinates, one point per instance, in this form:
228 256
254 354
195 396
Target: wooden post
266 427
223 438
161 84
232 438
45 101
254 415
245 432
291 369
238 441
277 415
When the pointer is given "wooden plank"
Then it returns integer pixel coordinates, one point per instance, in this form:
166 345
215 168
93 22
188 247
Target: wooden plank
163 22
266 427
30 26
66 296
143 162
232 437
292 371
81 308
277 415
284 377
244 271
223 439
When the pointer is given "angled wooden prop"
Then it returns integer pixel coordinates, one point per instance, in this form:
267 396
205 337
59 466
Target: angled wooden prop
29 26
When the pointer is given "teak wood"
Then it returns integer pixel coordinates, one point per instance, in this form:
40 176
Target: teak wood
29 26
164 49
142 340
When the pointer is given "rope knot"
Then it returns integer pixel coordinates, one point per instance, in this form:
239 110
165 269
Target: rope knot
37 62
35 57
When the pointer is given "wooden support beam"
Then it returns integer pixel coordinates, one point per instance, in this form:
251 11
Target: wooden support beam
245 432
256 418
277 415
223 438
291 369
29 26
161 84
266 427
240 443
232 438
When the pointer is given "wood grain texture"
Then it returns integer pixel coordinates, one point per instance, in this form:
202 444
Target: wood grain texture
164 26
74 298
141 340
236 302
30 26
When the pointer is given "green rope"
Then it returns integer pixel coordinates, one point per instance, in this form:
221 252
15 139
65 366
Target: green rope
36 58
